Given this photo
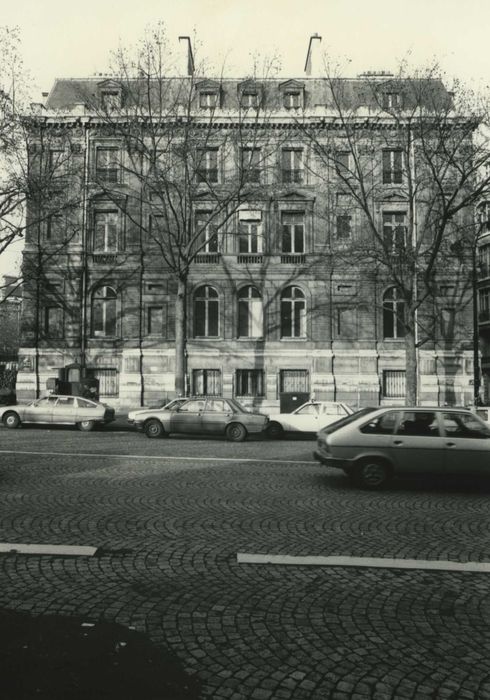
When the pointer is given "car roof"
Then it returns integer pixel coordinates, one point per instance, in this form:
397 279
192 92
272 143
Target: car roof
424 409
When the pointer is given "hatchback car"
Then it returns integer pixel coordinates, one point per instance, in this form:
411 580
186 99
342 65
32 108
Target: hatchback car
208 416
373 444
308 418
59 410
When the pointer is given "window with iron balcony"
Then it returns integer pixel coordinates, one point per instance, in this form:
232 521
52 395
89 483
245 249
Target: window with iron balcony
395 231
293 232
250 165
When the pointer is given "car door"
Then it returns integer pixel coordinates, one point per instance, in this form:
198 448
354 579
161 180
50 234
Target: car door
466 444
40 411
64 410
188 417
305 418
215 417
87 410
418 445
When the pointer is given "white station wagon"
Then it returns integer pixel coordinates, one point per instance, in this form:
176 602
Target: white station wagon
308 418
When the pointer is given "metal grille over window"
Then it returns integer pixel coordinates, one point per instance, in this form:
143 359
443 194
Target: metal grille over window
206 382
292 380
394 383
108 380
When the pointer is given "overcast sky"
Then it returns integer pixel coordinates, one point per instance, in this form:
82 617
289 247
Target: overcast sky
65 38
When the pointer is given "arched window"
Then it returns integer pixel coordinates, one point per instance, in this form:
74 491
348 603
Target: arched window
293 313
393 314
104 312
206 312
250 313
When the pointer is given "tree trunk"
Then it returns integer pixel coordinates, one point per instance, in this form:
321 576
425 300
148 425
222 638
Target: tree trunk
180 338
412 370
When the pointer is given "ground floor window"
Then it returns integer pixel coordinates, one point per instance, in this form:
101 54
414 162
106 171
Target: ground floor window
250 382
294 380
394 383
108 380
206 382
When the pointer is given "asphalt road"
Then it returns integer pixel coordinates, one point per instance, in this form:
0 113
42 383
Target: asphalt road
168 518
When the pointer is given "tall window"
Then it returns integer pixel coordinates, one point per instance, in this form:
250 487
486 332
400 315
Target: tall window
484 216
250 238
392 167
250 164
250 382
484 304
207 239
104 312
206 312
207 165
107 164
57 162
54 227
293 313
343 163
110 100
292 165
105 231
206 382
344 226
395 231
293 231
250 313
53 322
447 321
393 314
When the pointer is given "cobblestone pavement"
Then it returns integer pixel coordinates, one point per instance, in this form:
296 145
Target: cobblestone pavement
169 531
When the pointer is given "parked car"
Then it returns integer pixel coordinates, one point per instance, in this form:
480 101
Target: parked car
208 416
308 418
60 410
373 444
140 413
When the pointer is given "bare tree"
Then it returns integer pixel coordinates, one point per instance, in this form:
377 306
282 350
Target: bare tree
407 161
187 164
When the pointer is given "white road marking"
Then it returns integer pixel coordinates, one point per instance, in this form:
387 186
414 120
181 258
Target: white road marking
61 550
161 457
374 562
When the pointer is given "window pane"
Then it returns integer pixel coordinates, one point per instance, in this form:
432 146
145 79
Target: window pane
213 321
199 317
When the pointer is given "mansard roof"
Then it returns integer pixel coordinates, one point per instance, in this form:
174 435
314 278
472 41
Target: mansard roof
354 93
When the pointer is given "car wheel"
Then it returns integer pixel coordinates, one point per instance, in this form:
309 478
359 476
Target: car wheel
153 428
86 425
236 432
11 420
372 474
274 430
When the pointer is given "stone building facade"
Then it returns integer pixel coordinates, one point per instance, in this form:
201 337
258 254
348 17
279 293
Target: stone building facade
277 307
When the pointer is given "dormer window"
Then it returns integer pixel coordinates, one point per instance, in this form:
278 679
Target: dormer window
110 95
292 99
293 94
250 100
208 99
391 100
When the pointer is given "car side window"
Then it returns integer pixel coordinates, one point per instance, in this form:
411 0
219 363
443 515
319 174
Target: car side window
65 401
192 407
216 406
310 410
464 425
419 424
381 425
332 409
83 403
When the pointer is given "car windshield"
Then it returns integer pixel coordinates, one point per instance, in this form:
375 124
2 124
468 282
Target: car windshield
347 419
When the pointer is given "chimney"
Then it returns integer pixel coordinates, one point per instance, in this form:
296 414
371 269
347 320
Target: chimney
190 57
309 55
